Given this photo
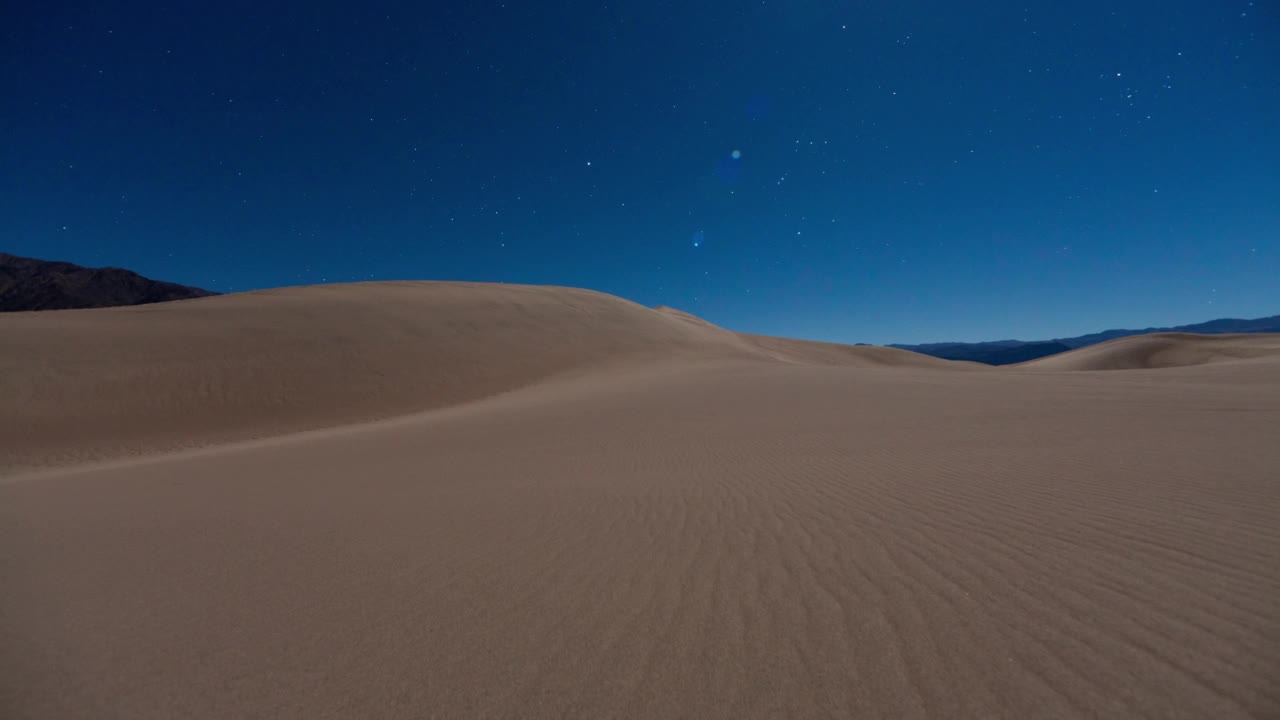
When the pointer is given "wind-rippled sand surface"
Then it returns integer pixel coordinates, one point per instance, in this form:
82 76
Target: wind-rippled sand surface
619 512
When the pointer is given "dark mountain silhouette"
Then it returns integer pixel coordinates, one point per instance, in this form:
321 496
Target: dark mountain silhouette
1008 352
31 284
1221 326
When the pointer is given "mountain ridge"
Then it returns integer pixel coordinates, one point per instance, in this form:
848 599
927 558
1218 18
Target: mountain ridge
28 284
1009 352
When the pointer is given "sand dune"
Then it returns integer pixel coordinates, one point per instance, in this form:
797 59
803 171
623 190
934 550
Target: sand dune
138 379
616 512
133 380
1162 350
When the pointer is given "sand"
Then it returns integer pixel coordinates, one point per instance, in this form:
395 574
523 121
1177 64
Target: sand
450 500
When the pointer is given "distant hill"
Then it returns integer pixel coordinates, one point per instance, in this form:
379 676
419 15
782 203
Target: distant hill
1221 326
1163 350
1009 352
31 284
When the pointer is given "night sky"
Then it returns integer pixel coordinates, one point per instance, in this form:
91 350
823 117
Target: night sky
857 172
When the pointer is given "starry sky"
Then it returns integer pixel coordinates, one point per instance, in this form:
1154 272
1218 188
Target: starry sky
878 172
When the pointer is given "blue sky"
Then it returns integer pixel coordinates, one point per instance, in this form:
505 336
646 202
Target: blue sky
905 172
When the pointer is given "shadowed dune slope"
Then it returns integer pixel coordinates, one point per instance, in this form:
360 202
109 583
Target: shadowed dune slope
1162 350
120 381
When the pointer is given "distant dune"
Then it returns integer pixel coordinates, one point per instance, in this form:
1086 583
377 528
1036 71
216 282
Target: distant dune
544 502
1162 350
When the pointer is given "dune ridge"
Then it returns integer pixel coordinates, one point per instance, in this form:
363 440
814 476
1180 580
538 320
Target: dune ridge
618 512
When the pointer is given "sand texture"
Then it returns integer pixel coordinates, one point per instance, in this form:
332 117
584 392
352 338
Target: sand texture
447 500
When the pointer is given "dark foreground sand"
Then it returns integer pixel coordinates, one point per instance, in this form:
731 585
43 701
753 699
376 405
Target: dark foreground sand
598 510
